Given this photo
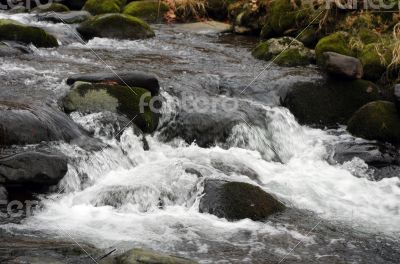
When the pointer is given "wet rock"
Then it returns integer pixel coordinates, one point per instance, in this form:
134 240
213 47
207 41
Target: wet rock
18 10
12 48
3 193
98 7
145 256
71 17
132 102
22 124
284 51
238 200
134 79
149 11
32 169
329 102
378 120
337 42
397 96
116 26
53 7
15 31
342 66
209 27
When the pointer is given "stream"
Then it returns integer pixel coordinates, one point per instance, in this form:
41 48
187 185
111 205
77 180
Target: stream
111 197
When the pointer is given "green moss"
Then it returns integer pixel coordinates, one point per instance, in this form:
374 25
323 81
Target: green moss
54 7
375 58
368 36
376 121
284 15
15 31
147 10
262 51
97 7
337 42
294 57
89 98
119 26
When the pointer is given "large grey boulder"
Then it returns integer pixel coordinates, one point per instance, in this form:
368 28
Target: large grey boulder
341 65
71 17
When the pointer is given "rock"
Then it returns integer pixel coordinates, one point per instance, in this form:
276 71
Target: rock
378 120
32 169
22 124
98 7
74 4
237 200
285 51
150 11
15 31
53 7
133 78
397 96
337 42
375 58
342 66
116 26
18 10
12 48
283 15
3 194
309 37
70 17
209 27
329 102
93 98
135 256
218 9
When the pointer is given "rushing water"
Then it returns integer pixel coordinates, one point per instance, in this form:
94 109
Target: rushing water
124 196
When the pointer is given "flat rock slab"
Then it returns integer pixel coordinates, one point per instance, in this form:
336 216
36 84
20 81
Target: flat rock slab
71 17
342 66
133 79
208 27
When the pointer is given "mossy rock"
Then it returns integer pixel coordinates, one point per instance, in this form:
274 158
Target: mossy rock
330 102
53 7
337 42
378 120
98 7
284 15
283 54
146 10
145 256
238 200
92 98
118 26
375 59
15 31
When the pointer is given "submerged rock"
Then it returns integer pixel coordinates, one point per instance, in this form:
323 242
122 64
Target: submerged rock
71 17
378 120
145 256
15 31
342 66
12 48
238 200
98 7
329 102
118 26
284 51
32 169
133 78
93 98
147 10
22 124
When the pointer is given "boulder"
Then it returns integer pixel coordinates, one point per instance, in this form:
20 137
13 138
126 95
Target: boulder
98 7
12 48
342 66
18 10
133 78
32 169
150 11
237 200
53 7
116 26
71 17
329 102
375 58
397 96
337 42
378 120
15 31
22 124
209 27
93 98
74 4
146 256
286 15
284 51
